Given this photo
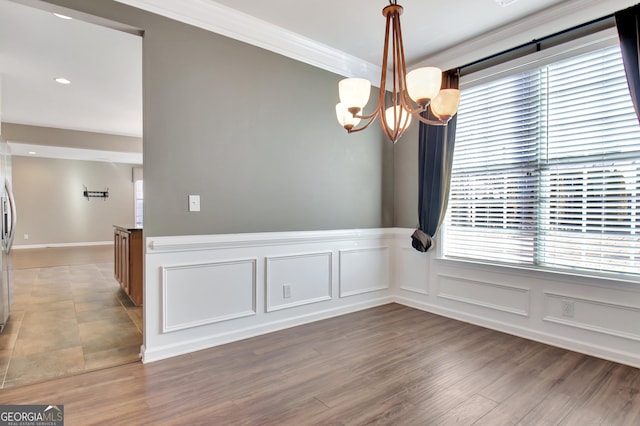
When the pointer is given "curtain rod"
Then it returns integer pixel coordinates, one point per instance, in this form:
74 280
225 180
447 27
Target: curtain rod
536 45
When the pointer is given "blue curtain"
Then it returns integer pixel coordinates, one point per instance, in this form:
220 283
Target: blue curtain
628 24
435 158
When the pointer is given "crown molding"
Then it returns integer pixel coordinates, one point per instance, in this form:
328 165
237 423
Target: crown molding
223 20
560 17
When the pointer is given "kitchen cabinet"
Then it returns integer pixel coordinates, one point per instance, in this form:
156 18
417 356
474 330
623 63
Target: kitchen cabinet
127 261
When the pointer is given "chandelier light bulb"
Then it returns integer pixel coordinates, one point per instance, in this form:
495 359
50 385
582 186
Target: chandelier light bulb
445 105
423 84
354 93
400 116
345 118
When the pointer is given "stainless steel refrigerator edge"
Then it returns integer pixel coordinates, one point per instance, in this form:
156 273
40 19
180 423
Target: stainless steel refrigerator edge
8 212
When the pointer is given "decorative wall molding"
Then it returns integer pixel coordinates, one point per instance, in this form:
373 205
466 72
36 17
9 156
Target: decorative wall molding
192 343
212 16
505 298
198 294
364 270
373 267
554 19
228 241
411 270
308 276
588 347
614 319
232 23
182 272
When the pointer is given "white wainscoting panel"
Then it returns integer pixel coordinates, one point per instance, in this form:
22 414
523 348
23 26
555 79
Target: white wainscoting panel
206 293
364 270
594 315
500 297
412 269
308 277
206 290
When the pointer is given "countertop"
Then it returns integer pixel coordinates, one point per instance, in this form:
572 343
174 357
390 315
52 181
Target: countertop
128 228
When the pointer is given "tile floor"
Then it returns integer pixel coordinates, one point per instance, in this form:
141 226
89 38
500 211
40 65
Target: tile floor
67 320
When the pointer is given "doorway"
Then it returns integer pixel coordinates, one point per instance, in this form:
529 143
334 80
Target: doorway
69 314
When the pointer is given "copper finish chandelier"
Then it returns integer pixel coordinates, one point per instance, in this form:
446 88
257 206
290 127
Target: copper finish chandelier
412 93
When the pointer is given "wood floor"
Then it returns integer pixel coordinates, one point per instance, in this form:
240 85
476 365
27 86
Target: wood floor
390 365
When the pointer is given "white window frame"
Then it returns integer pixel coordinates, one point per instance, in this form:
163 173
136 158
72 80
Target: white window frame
600 40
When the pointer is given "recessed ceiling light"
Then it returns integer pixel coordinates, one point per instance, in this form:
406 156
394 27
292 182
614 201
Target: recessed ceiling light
32 153
61 16
62 80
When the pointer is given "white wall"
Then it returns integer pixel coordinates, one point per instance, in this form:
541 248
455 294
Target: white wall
202 291
606 313
52 209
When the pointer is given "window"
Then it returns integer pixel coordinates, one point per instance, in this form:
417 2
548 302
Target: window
547 169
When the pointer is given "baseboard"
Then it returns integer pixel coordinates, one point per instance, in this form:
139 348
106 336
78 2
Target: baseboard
631 359
189 346
54 245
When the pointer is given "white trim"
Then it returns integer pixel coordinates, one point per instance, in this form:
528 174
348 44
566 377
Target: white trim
503 308
590 43
232 23
166 328
563 342
188 346
341 261
604 337
38 246
589 327
212 16
226 241
269 260
549 21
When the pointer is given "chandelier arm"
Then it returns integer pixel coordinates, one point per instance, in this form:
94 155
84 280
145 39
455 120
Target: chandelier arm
401 59
368 116
405 99
408 105
392 134
383 75
430 121
371 119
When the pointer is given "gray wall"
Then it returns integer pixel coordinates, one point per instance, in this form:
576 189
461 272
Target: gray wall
250 131
52 208
405 179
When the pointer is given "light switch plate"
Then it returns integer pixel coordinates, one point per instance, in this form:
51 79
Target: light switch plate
194 203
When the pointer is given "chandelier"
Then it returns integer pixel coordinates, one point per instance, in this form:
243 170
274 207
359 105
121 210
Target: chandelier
412 93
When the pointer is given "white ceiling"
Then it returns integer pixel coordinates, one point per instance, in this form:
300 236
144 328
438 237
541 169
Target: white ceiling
104 66
357 26
341 36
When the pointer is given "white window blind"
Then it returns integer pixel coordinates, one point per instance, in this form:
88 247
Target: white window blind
547 169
